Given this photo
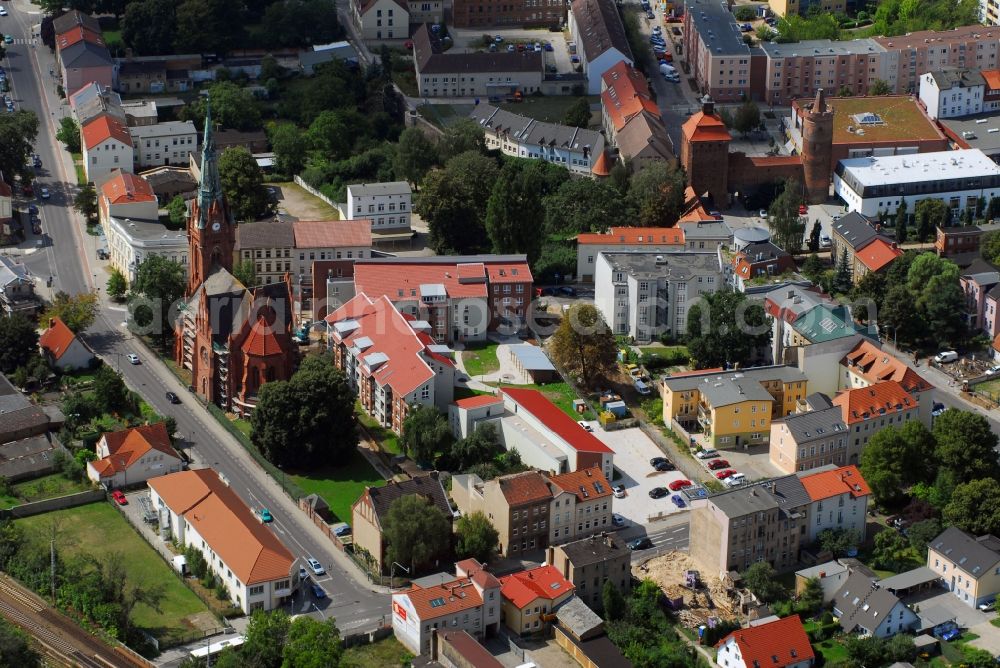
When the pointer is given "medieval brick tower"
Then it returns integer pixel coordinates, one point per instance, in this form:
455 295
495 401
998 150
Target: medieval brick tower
817 149
705 153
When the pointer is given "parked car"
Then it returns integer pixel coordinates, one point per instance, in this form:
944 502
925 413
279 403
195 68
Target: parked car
657 460
8 39
717 464
735 480
707 454
342 530
658 492
803 209
763 214
583 424
724 473
567 291
303 574
665 465
642 388
618 520
45 193
938 409
132 358
316 567
318 591
946 356
678 485
640 544
988 606
173 398
675 30
825 241
650 15
119 497
678 501
619 491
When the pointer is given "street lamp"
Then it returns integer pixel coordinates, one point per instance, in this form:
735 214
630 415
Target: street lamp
392 572
316 607
282 469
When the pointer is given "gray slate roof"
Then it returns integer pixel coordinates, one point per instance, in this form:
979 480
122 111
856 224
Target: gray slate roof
856 230
265 235
12 272
975 556
676 266
857 594
377 189
72 19
427 486
578 618
430 60
601 28
982 273
788 494
784 373
706 229
594 550
953 77
816 425
18 413
727 391
85 54
529 131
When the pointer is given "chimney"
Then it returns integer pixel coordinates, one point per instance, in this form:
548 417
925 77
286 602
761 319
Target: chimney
822 574
707 105
819 106
550 554
52 323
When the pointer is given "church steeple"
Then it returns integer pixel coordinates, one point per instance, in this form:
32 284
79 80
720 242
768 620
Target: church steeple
210 187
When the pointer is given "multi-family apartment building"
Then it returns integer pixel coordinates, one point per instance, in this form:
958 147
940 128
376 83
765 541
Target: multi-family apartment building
952 93
719 59
597 29
759 261
282 247
497 14
517 506
390 360
381 19
197 509
590 562
969 566
387 205
808 440
579 150
81 53
530 596
802 315
624 239
645 294
107 145
167 143
911 55
866 248
581 504
790 7
868 410
866 365
976 281
956 242
799 69
839 501
631 119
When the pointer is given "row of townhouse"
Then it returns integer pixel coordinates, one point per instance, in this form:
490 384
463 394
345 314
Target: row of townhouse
81 53
280 247
108 143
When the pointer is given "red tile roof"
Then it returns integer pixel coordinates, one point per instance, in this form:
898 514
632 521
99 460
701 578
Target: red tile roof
332 233
126 447
262 340
444 599
508 272
478 401
521 488
696 372
827 484
603 165
105 127
875 365
57 339
228 526
992 78
626 94
701 127
587 484
878 254
476 572
525 587
628 236
126 188
78 34
865 403
551 416
780 643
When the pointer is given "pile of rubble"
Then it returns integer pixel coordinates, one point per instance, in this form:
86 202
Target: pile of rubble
710 598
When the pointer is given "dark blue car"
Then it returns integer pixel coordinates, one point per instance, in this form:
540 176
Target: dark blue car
678 500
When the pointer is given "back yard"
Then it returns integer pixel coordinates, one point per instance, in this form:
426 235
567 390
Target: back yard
340 486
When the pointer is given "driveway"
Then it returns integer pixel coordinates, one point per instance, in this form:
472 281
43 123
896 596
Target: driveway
755 465
965 616
633 450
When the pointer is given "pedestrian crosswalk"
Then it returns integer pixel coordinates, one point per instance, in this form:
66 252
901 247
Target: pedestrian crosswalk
21 40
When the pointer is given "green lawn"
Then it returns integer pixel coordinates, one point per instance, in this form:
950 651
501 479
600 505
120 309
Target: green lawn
407 82
81 173
99 529
386 437
243 426
546 108
382 654
561 394
832 650
46 487
340 486
481 359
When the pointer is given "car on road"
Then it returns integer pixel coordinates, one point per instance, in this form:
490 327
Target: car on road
316 567
584 425
119 497
8 39
803 209
567 291
938 409
825 241
3 11
265 516
342 530
173 398
32 208
618 520
657 493
498 39
303 574
45 193
678 501
724 473
318 591
717 464
132 358
707 454
678 485
619 491
735 480
988 606
640 544
650 15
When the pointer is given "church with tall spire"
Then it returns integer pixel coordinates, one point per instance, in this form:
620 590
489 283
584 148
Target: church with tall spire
232 338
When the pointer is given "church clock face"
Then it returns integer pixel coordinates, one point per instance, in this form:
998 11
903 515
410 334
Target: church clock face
216 226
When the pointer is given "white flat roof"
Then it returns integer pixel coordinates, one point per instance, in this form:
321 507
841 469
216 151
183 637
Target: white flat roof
899 169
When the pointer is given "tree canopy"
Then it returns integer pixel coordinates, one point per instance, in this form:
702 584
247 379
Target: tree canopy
416 531
159 283
18 342
18 132
725 329
897 457
655 196
514 208
477 537
761 579
966 445
584 345
783 218
425 433
243 183
451 201
581 205
76 311
975 507
232 106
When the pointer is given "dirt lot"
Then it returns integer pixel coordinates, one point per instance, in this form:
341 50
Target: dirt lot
302 205
709 600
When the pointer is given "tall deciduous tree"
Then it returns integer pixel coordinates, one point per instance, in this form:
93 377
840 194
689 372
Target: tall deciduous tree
581 205
232 106
747 118
477 537
479 447
975 507
783 217
614 604
656 196
110 393
85 202
312 643
417 532
149 26
725 329
18 342
76 311
246 273
301 22
761 579
578 114
117 286
451 201
159 284
461 137
425 433
69 134
290 147
966 445
15 648
897 457
416 155
177 211
265 638
584 345
18 132
515 205
243 183
930 214
889 550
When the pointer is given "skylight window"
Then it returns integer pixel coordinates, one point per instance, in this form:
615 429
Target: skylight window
437 602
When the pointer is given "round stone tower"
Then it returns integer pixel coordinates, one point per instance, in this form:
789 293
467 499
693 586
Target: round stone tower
817 149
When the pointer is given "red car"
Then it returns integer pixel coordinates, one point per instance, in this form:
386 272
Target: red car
678 485
27 190
725 473
119 497
717 464
803 210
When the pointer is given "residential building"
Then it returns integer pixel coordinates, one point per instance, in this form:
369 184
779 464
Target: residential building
469 14
271 247
764 521
92 100
969 566
621 239
462 296
74 18
958 243
596 27
389 359
782 643
625 95
704 233
579 150
281 247
465 415
140 113
867 410
718 58
17 289
7 222
590 562
517 505
866 365
21 418
470 601
877 185
138 75
792 7
422 11
991 313
581 504
133 456
644 141
802 315
387 205
759 261
863 607
808 440
952 93
197 509
913 54
976 281
167 143
831 576
530 596
733 408
458 649
839 501
867 250
82 58
381 19
368 513
493 75
63 349
644 294
107 145
325 53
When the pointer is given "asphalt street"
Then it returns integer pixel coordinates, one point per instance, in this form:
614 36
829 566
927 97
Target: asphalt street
67 255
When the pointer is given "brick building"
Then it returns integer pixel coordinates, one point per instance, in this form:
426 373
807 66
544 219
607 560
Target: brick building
504 14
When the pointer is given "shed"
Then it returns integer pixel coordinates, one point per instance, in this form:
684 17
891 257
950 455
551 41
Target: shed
533 364
617 408
911 582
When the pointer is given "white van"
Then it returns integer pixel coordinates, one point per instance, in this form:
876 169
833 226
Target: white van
946 356
666 69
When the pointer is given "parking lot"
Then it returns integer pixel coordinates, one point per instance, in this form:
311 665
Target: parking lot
469 40
755 466
633 450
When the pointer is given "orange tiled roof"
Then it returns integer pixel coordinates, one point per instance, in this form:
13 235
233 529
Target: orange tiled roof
507 272
780 643
332 233
126 447
626 94
878 254
57 339
701 127
602 167
827 484
996 342
229 527
696 372
78 34
875 365
125 188
105 127
992 78
460 279
526 487
262 340
478 400
587 484
865 403
628 236
475 571
524 587
444 599
694 210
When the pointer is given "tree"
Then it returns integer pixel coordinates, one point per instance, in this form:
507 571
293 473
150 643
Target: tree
246 273
232 106
311 643
77 312
243 183
966 446
993 209
581 205
461 137
425 433
177 210
584 345
85 202
811 597
842 281
265 638
297 22
974 507
990 245
515 206
18 342
923 532
308 420
784 220
725 328
69 134
656 196
117 286
110 393
476 537
614 604
416 531
747 118
149 26
451 201
481 446
761 579
159 283
416 155
901 219
889 550
207 25
18 132
839 541
814 235
845 91
812 267
930 214
879 87
15 649
290 146
578 114
331 133
897 457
